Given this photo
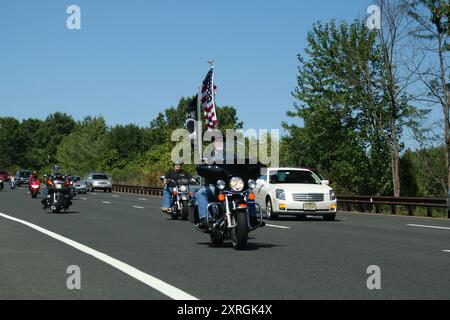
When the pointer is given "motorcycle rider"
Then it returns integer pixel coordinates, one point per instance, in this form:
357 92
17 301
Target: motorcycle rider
33 178
176 174
56 175
207 193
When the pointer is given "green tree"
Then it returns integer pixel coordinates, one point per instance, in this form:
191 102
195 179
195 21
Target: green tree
85 148
341 99
432 27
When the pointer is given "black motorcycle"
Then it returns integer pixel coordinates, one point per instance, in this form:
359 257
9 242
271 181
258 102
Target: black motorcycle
228 216
58 194
182 197
1 185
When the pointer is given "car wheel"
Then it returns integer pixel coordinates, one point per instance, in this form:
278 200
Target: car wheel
329 217
269 211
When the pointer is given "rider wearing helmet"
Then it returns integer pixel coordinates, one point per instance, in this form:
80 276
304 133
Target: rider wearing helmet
176 174
33 178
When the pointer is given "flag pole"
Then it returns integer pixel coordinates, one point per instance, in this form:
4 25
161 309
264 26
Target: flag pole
199 124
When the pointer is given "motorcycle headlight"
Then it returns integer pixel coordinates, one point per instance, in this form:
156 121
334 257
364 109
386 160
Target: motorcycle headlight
237 184
183 189
332 195
221 184
251 184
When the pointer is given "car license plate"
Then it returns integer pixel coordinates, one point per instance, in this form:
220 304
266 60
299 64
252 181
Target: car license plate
309 206
59 186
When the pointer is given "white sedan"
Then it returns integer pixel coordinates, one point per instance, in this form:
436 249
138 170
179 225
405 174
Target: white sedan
295 191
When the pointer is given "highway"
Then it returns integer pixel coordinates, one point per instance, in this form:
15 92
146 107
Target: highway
126 248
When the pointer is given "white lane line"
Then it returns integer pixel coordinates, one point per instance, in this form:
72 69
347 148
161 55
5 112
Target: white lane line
137 207
448 251
142 199
106 202
275 226
155 283
430 227
83 198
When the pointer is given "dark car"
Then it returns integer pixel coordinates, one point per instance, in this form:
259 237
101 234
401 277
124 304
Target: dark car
22 177
4 175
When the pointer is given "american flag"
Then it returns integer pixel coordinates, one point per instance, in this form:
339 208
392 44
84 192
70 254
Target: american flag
208 104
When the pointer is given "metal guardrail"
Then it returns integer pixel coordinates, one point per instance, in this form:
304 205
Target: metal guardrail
138 190
376 204
345 203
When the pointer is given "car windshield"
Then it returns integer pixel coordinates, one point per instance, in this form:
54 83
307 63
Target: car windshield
293 176
319 175
24 174
100 177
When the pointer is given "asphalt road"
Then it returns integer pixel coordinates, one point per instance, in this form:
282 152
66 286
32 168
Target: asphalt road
126 248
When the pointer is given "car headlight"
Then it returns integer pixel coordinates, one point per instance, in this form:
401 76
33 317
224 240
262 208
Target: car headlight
237 184
332 195
251 184
221 184
280 194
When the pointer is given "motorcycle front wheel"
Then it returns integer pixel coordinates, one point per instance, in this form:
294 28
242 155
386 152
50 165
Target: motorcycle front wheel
184 210
239 234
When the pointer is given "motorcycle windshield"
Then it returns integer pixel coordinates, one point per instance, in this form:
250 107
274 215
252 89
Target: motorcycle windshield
225 171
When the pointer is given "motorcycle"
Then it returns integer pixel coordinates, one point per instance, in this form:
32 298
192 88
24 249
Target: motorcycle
181 198
57 196
1 185
13 183
34 187
228 217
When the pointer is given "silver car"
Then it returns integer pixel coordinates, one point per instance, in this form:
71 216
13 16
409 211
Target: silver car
80 185
98 181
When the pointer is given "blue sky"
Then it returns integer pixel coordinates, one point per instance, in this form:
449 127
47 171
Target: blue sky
132 59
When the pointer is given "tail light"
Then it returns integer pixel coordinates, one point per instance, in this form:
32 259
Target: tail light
67 183
221 197
50 182
242 205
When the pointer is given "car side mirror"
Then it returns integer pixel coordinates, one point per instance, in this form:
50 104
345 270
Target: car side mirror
325 182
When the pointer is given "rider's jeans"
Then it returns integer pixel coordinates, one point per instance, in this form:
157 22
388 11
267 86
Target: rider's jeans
167 197
206 195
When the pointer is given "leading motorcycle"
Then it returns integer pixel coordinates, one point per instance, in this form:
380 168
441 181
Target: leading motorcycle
228 216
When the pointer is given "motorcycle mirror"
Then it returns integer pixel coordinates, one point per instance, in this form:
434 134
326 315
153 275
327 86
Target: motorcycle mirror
162 177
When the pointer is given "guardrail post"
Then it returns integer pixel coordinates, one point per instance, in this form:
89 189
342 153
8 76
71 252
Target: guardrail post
429 212
393 209
410 211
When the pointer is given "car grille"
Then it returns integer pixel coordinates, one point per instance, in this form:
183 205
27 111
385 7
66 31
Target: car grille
308 197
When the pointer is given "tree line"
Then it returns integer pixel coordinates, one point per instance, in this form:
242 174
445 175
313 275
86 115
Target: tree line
130 153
